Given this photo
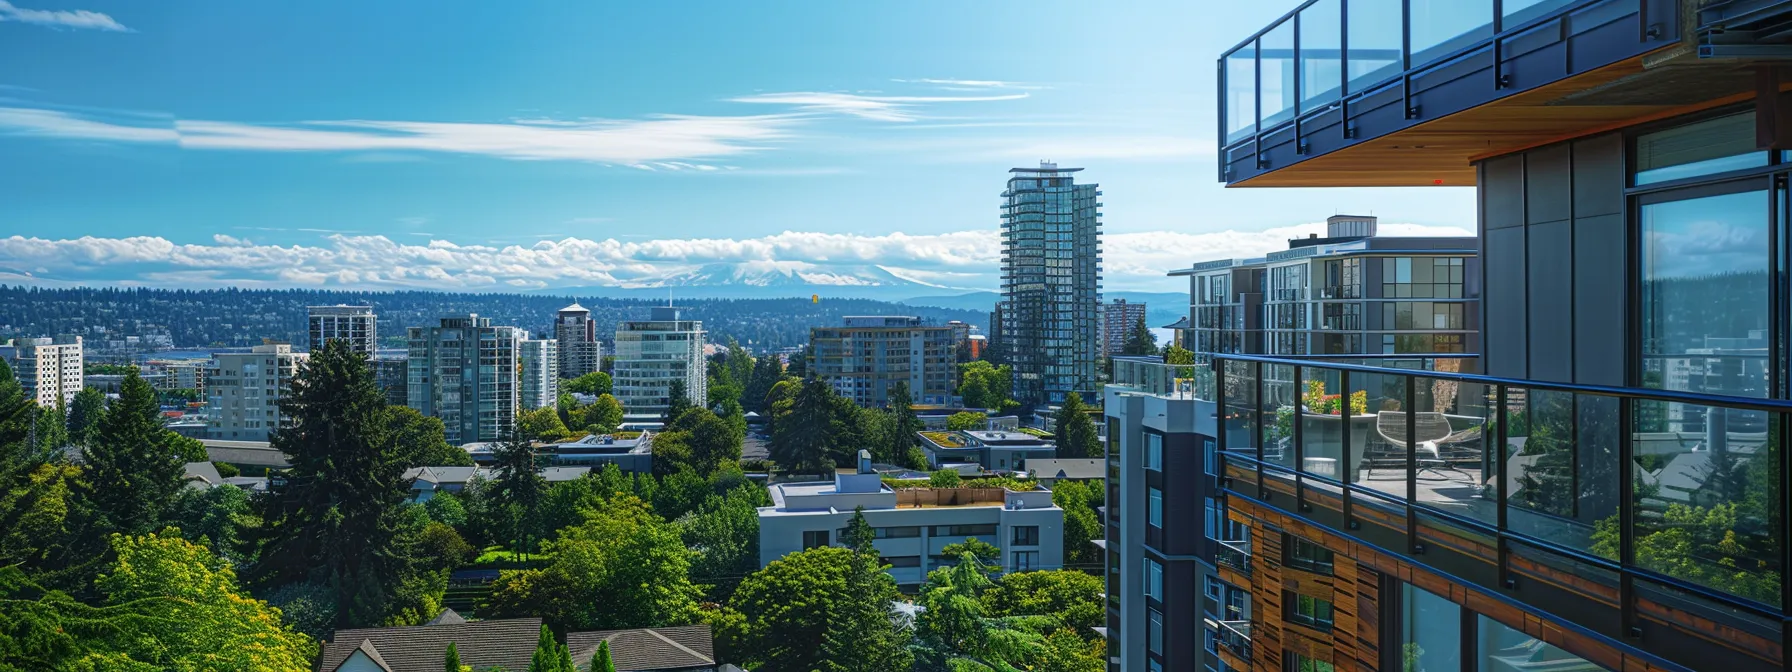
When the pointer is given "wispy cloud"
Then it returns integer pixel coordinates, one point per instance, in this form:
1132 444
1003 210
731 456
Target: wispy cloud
667 141
973 84
879 108
79 19
959 259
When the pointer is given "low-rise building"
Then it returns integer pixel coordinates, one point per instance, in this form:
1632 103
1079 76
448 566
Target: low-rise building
913 526
994 450
867 355
1051 470
632 452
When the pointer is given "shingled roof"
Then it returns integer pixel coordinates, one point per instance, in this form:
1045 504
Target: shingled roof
672 648
504 643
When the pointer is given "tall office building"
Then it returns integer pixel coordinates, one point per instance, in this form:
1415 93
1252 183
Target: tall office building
243 390
575 336
865 356
539 385
1612 496
354 324
651 354
49 369
1051 283
1118 319
1351 292
464 371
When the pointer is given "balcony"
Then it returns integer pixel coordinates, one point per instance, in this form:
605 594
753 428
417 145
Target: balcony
1150 375
1651 517
1234 637
1235 554
1410 92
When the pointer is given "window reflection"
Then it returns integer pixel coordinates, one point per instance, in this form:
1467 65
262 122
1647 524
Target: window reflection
1241 93
1321 54
1502 649
1374 51
1703 148
1704 297
1276 52
1442 27
1430 632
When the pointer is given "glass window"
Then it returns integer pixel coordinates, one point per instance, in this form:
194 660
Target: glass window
1443 27
1430 631
1026 535
1154 580
1154 634
1307 556
1704 296
1213 588
1300 663
1154 452
1308 611
1213 519
1155 507
1518 12
1026 560
1276 63
1321 54
1210 461
1374 52
1703 148
1241 92
815 539
1499 649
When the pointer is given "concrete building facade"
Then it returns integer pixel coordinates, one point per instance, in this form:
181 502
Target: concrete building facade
539 378
356 325
464 371
1050 321
651 354
243 390
576 345
1118 319
865 356
50 369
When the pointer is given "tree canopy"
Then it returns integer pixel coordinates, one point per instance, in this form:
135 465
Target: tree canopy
1074 431
1140 340
594 383
801 611
133 470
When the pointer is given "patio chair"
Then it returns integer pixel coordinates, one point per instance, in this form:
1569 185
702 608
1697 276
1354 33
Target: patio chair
1430 431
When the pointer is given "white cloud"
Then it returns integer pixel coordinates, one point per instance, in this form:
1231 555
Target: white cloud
970 259
879 108
78 19
972 84
58 124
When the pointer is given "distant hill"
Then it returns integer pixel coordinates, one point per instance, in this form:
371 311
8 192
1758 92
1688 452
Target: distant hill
1161 308
767 280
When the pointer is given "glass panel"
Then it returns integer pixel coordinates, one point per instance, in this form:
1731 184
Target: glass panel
1241 93
1704 148
1707 503
1241 407
1321 54
1323 407
1502 649
1276 52
1442 27
1519 12
1561 461
1430 632
1279 403
1704 271
1457 467
1380 450
1374 52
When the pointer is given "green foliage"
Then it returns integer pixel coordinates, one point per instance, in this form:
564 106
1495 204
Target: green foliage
441 547
1074 597
807 429
337 517
985 385
214 517
713 442
966 420
227 470
1140 340
133 469
594 383
821 609
550 655
1081 523
84 415
601 661
603 415
518 487
678 400
944 478
724 534
767 370
623 567
544 424
451 661
308 607
46 529
1177 355
51 432
422 441
1074 431
1028 620
975 548
447 509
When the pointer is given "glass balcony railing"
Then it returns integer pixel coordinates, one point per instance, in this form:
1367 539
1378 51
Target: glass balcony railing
1151 375
1605 505
1233 636
1235 554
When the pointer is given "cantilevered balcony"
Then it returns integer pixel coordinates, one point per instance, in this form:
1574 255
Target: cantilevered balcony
1235 554
1233 637
1656 518
1410 92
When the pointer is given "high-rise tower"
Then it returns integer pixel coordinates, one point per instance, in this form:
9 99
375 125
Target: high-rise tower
1051 283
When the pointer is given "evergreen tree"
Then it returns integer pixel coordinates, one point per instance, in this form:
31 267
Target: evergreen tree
51 433
740 364
799 362
859 534
906 424
867 640
1074 432
133 471
84 415
678 400
1140 341
336 518
803 437
518 486
767 370
602 661
452 662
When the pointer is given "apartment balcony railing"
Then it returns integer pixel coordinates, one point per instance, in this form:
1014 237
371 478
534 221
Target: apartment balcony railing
1233 636
1656 518
1152 376
1235 554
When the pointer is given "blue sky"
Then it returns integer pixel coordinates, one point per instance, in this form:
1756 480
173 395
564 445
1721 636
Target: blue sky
523 145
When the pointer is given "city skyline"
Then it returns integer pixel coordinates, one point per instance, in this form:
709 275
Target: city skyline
563 161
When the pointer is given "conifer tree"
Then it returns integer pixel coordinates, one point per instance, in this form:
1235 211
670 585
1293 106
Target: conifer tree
84 415
1074 432
133 471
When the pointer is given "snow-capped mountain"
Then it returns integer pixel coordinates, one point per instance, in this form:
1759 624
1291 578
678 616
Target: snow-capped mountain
766 279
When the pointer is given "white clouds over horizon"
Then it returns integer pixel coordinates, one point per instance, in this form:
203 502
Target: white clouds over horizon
79 19
876 108
959 260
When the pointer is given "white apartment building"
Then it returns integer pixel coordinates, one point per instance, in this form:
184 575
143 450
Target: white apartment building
867 355
243 390
575 336
912 538
49 369
651 354
539 384
354 324
464 371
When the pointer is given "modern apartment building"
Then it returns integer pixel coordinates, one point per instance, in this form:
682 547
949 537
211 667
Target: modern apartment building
575 337
865 356
354 324
539 373
913 526
651 354
1349 293
1118 319
1611 495
392 373
464 371
1050 327
49 369
243 390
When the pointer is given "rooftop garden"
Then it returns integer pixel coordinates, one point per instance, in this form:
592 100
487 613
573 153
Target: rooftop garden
945 439
949 480
1035 432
